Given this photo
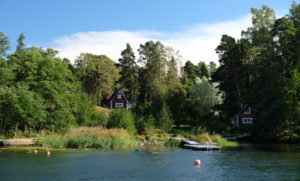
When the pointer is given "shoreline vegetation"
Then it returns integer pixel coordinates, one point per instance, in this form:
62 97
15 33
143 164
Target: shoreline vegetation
114 138
91 137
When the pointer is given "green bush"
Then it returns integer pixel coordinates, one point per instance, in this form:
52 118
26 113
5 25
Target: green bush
165 118
120 118
97 119
292 138
144 123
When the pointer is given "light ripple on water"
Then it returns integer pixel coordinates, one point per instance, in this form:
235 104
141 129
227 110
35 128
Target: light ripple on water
248 163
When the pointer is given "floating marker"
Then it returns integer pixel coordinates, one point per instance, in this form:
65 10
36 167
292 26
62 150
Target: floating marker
197 162
48 153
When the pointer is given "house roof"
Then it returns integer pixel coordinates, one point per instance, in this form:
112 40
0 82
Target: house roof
242 109
118 91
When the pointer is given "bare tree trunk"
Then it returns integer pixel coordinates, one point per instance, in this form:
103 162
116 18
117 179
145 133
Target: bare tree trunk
237 86
1 129
91 96
16 129
146 92
99 95
132 91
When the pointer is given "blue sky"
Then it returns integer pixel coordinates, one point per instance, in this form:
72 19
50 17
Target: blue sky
193 27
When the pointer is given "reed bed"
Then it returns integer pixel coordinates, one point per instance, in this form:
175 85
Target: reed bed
92 137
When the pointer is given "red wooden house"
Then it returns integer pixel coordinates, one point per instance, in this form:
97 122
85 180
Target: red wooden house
119 100
244 117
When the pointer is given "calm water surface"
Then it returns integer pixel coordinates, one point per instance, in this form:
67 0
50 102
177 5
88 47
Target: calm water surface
250 162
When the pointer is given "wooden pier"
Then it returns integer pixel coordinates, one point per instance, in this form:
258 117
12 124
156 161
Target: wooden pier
202 147
18 142
196 146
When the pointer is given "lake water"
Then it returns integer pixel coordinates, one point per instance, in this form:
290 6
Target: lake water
249 162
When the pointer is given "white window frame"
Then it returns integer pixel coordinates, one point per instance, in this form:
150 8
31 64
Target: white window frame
247 110
247 120
118 105
119 96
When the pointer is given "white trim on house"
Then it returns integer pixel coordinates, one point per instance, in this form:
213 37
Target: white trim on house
247 120
118 104
119 96
247 110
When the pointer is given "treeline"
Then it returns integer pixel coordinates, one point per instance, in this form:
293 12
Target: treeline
262 70
40 91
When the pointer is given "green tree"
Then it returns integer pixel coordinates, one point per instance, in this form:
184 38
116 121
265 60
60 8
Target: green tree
190 70
212 68
204 96
176 93
4 45
97 73
229 75
120 118
262 21
203 70
153 57
128 71
51 80
165 118
21 44
21 109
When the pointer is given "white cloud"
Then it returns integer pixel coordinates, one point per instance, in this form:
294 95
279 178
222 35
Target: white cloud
195 43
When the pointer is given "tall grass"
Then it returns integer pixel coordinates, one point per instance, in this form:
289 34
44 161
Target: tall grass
92 137
205 137
223 142
173 143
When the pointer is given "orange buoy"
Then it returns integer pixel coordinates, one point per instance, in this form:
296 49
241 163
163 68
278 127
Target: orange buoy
35 151
48 153
197 162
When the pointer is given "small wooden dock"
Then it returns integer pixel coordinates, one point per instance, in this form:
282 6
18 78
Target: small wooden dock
196 146
18 142
202 147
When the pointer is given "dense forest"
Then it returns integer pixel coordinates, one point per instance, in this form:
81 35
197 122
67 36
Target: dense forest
40 91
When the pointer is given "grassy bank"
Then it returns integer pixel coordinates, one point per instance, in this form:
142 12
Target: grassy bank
159 137
91 137
215 138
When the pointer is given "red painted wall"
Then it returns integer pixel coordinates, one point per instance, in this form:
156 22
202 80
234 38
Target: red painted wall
119 101
241 115
116 100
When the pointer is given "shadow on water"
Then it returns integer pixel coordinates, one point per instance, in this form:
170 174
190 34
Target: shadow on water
277 147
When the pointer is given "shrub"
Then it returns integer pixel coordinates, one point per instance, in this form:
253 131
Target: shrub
120 118
202 138
165 118
292 138
144 123
97 119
